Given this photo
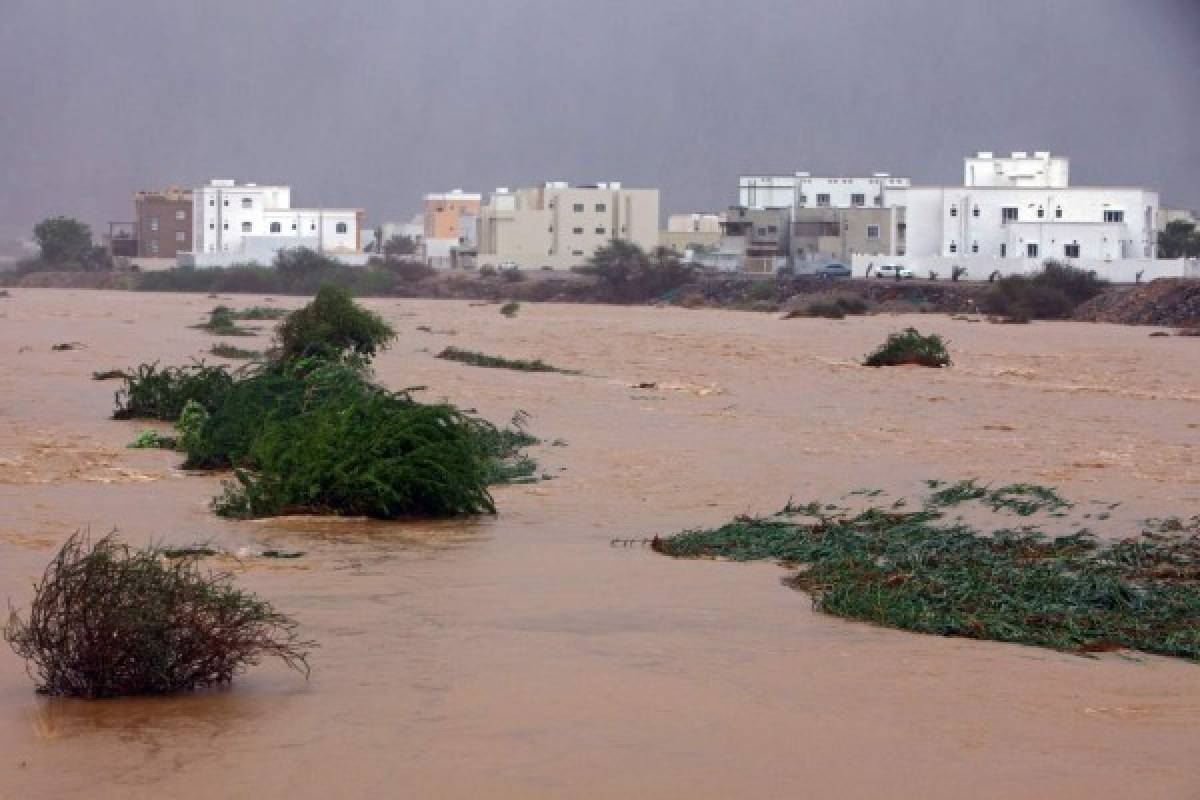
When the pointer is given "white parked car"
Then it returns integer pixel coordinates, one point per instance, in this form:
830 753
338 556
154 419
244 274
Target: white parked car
508 265
894 271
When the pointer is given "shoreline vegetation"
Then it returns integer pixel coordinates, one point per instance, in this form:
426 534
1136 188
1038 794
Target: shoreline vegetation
307 431
1007 578
624 274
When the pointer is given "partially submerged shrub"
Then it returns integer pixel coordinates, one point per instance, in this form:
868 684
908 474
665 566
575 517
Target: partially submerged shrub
1053 293
107 621
150 439
923 572
361 450
510 309
910 347
333 326
476 359
222 321
154 393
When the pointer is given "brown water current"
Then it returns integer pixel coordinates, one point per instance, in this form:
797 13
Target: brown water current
523 656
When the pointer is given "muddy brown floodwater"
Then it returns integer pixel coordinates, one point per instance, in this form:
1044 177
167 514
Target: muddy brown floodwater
523 656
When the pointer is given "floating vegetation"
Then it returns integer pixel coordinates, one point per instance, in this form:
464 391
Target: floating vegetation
227 350
910 347
109 375
476 359
150 439
108 621
260 313
444 331
510 309
917 570
63 346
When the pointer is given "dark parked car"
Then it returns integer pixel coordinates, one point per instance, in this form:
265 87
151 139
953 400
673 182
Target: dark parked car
833 271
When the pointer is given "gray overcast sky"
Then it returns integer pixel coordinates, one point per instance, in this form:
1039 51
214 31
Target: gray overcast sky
373 102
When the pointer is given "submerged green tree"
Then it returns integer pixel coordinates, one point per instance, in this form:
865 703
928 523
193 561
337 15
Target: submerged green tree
333 326
1179 239
629 274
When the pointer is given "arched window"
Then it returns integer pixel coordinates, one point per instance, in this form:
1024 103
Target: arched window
341 227
276 227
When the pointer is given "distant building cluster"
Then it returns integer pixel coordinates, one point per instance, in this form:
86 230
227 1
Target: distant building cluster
1009 215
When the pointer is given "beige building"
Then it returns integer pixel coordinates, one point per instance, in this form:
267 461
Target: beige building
561 226
822 235
691 232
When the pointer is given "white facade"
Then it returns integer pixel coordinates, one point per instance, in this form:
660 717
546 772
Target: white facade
242 223
803 190
1020 170
1008 209
695 223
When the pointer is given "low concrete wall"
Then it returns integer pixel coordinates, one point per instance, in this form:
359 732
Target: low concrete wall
980 268
221 260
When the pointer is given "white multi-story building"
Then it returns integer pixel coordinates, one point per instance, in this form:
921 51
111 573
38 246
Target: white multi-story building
1024 207
246 223
803 190
561 226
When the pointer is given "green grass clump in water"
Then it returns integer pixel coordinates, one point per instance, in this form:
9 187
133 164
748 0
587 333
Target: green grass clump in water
222 321
919 571
476 359
910 347
260 313
227 350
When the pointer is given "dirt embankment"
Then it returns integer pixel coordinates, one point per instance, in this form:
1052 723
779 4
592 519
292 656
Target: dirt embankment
1166 301
69 280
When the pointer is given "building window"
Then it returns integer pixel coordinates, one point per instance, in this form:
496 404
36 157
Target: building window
247 227
600 231
1003 250
975 211
578 207
974 247
802 200
1071 250
153 245
181 214
954 211
954 247
154 223
340 228
577 230
858 199
601 207
872 231
247 202
1041 212
1031 250
1008 214
879 200
180 236
212 226
293 226
772 229
212 202
312 226
276 227
1114 216
823 200
1058 212
576 252
225 202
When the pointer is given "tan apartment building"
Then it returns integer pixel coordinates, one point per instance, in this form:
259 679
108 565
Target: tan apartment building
694 232
561 226
163 222
823 235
